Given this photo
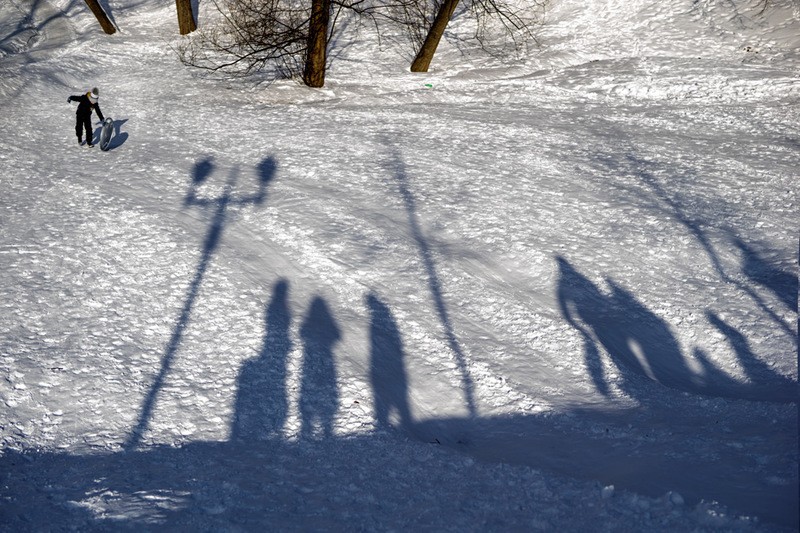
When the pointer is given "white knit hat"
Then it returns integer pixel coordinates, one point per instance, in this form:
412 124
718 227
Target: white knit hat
94 95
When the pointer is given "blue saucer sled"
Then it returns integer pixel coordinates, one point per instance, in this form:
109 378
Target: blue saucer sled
106 133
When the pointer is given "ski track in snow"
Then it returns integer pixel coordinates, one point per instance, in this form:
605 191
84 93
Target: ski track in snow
198 324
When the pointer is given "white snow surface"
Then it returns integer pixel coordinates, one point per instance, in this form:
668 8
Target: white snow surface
553 290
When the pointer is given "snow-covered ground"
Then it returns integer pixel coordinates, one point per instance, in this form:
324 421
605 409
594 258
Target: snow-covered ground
548 292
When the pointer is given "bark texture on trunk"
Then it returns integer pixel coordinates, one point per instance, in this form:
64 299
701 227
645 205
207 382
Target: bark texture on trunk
425 55
186 23
101 16
317 55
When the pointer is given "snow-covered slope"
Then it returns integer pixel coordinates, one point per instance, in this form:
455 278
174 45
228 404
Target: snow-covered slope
473 299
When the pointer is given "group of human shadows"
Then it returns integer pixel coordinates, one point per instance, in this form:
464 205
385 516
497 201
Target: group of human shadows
638 342
262 404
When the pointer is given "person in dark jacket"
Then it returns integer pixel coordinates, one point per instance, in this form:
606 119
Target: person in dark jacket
83 116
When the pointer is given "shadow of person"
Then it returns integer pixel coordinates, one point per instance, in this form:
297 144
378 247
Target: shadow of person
579 300
638 342
387 368
319 394
759 270
261 403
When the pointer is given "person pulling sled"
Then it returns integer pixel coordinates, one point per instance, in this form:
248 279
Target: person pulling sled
83 116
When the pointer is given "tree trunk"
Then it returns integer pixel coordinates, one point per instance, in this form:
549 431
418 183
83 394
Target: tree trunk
425 55
316 57
101 16
186 22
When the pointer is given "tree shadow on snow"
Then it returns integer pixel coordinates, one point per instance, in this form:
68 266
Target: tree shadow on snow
760 270
754 267
28 30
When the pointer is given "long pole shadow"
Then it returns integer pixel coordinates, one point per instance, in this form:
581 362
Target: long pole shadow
397 167
201 172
